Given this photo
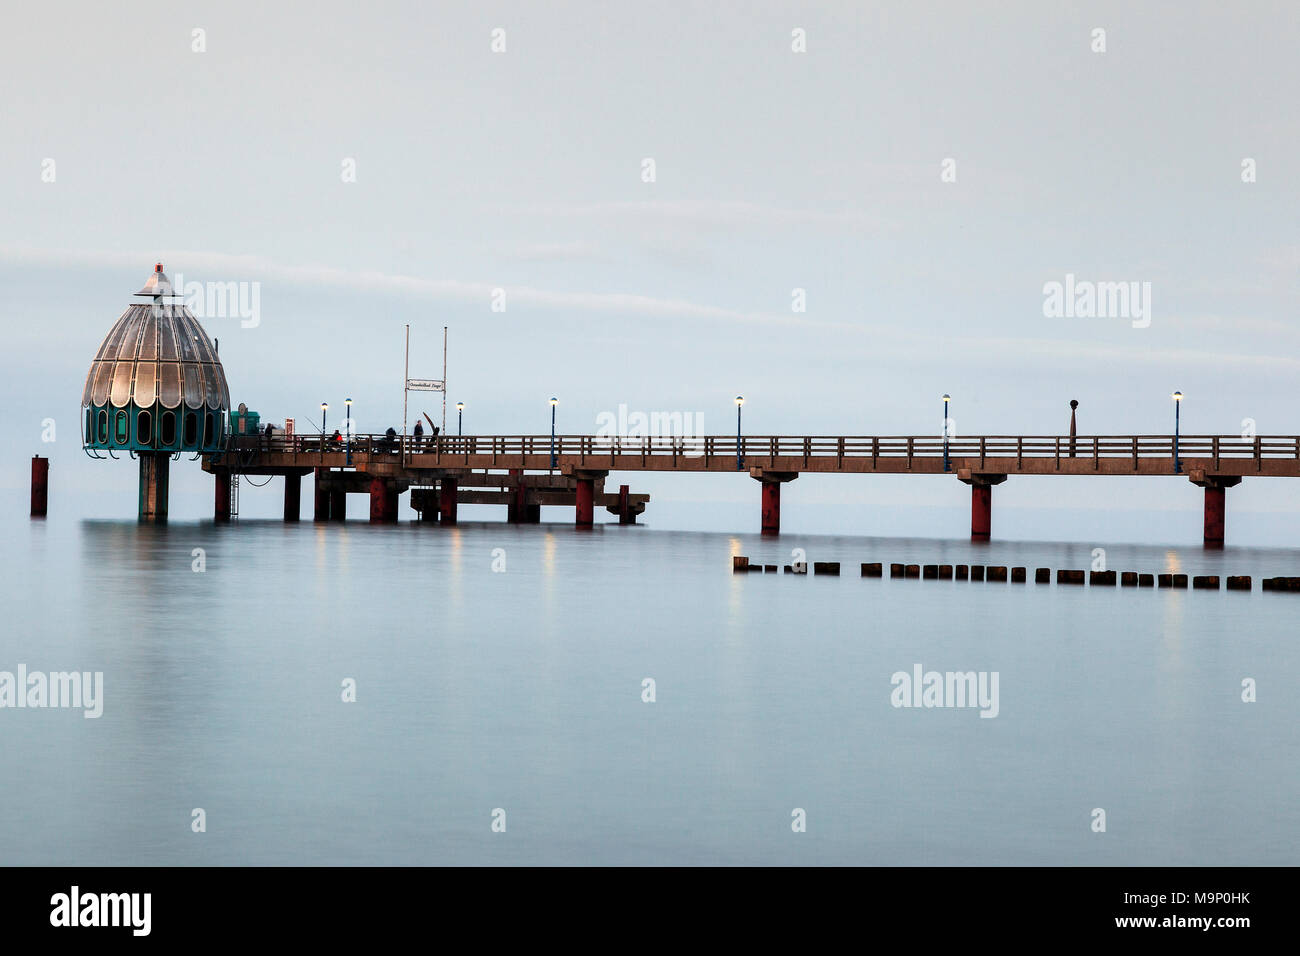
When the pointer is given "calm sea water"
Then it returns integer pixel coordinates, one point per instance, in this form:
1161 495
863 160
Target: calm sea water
521 689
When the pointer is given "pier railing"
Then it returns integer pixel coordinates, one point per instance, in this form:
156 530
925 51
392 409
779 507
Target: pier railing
791 448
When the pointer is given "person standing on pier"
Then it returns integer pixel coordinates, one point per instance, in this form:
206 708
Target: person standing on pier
417 433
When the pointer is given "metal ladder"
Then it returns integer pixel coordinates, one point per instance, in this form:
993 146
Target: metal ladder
234 495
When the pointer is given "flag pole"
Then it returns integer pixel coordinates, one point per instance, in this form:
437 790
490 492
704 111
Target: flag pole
444 379
406 378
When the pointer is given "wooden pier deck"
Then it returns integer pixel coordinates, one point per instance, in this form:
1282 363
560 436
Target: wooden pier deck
572 464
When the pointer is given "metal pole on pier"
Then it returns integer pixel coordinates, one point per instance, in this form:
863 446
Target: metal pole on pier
444 379
406 378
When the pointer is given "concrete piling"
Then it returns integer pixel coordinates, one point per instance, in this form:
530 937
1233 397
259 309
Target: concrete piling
155 469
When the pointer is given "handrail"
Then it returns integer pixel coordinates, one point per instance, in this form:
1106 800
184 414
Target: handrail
802 447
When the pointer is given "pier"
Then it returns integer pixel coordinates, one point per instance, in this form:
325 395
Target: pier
157 389
524 472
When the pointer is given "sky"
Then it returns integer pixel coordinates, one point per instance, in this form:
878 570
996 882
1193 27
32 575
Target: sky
920 171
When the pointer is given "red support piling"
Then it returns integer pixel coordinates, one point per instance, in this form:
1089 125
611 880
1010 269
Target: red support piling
981 511
1215 511
771 507
517 509
292 497
338 503
585 516
625 513
221 496
321 511
40 486
383 501
447 500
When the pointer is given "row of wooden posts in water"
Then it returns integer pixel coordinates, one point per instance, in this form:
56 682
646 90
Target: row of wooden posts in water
1001 573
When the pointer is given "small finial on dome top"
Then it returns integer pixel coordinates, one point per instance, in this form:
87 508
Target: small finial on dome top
158 284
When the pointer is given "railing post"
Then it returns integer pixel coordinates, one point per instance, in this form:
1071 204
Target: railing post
1058 452
1135 453
909 452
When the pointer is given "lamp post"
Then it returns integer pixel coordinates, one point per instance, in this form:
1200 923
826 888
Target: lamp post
740 456
460 418
554 401
1178 402
324 410
1074 404
946 399
348 429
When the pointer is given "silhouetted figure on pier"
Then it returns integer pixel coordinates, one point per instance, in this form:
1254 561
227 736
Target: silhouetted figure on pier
418 434
390 438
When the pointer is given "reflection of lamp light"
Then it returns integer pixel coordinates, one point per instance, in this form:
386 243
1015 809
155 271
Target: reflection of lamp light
740 452
1178 402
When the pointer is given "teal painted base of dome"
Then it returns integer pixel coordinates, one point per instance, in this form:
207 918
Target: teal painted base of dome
154 429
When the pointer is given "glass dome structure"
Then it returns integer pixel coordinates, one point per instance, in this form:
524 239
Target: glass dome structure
156 383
